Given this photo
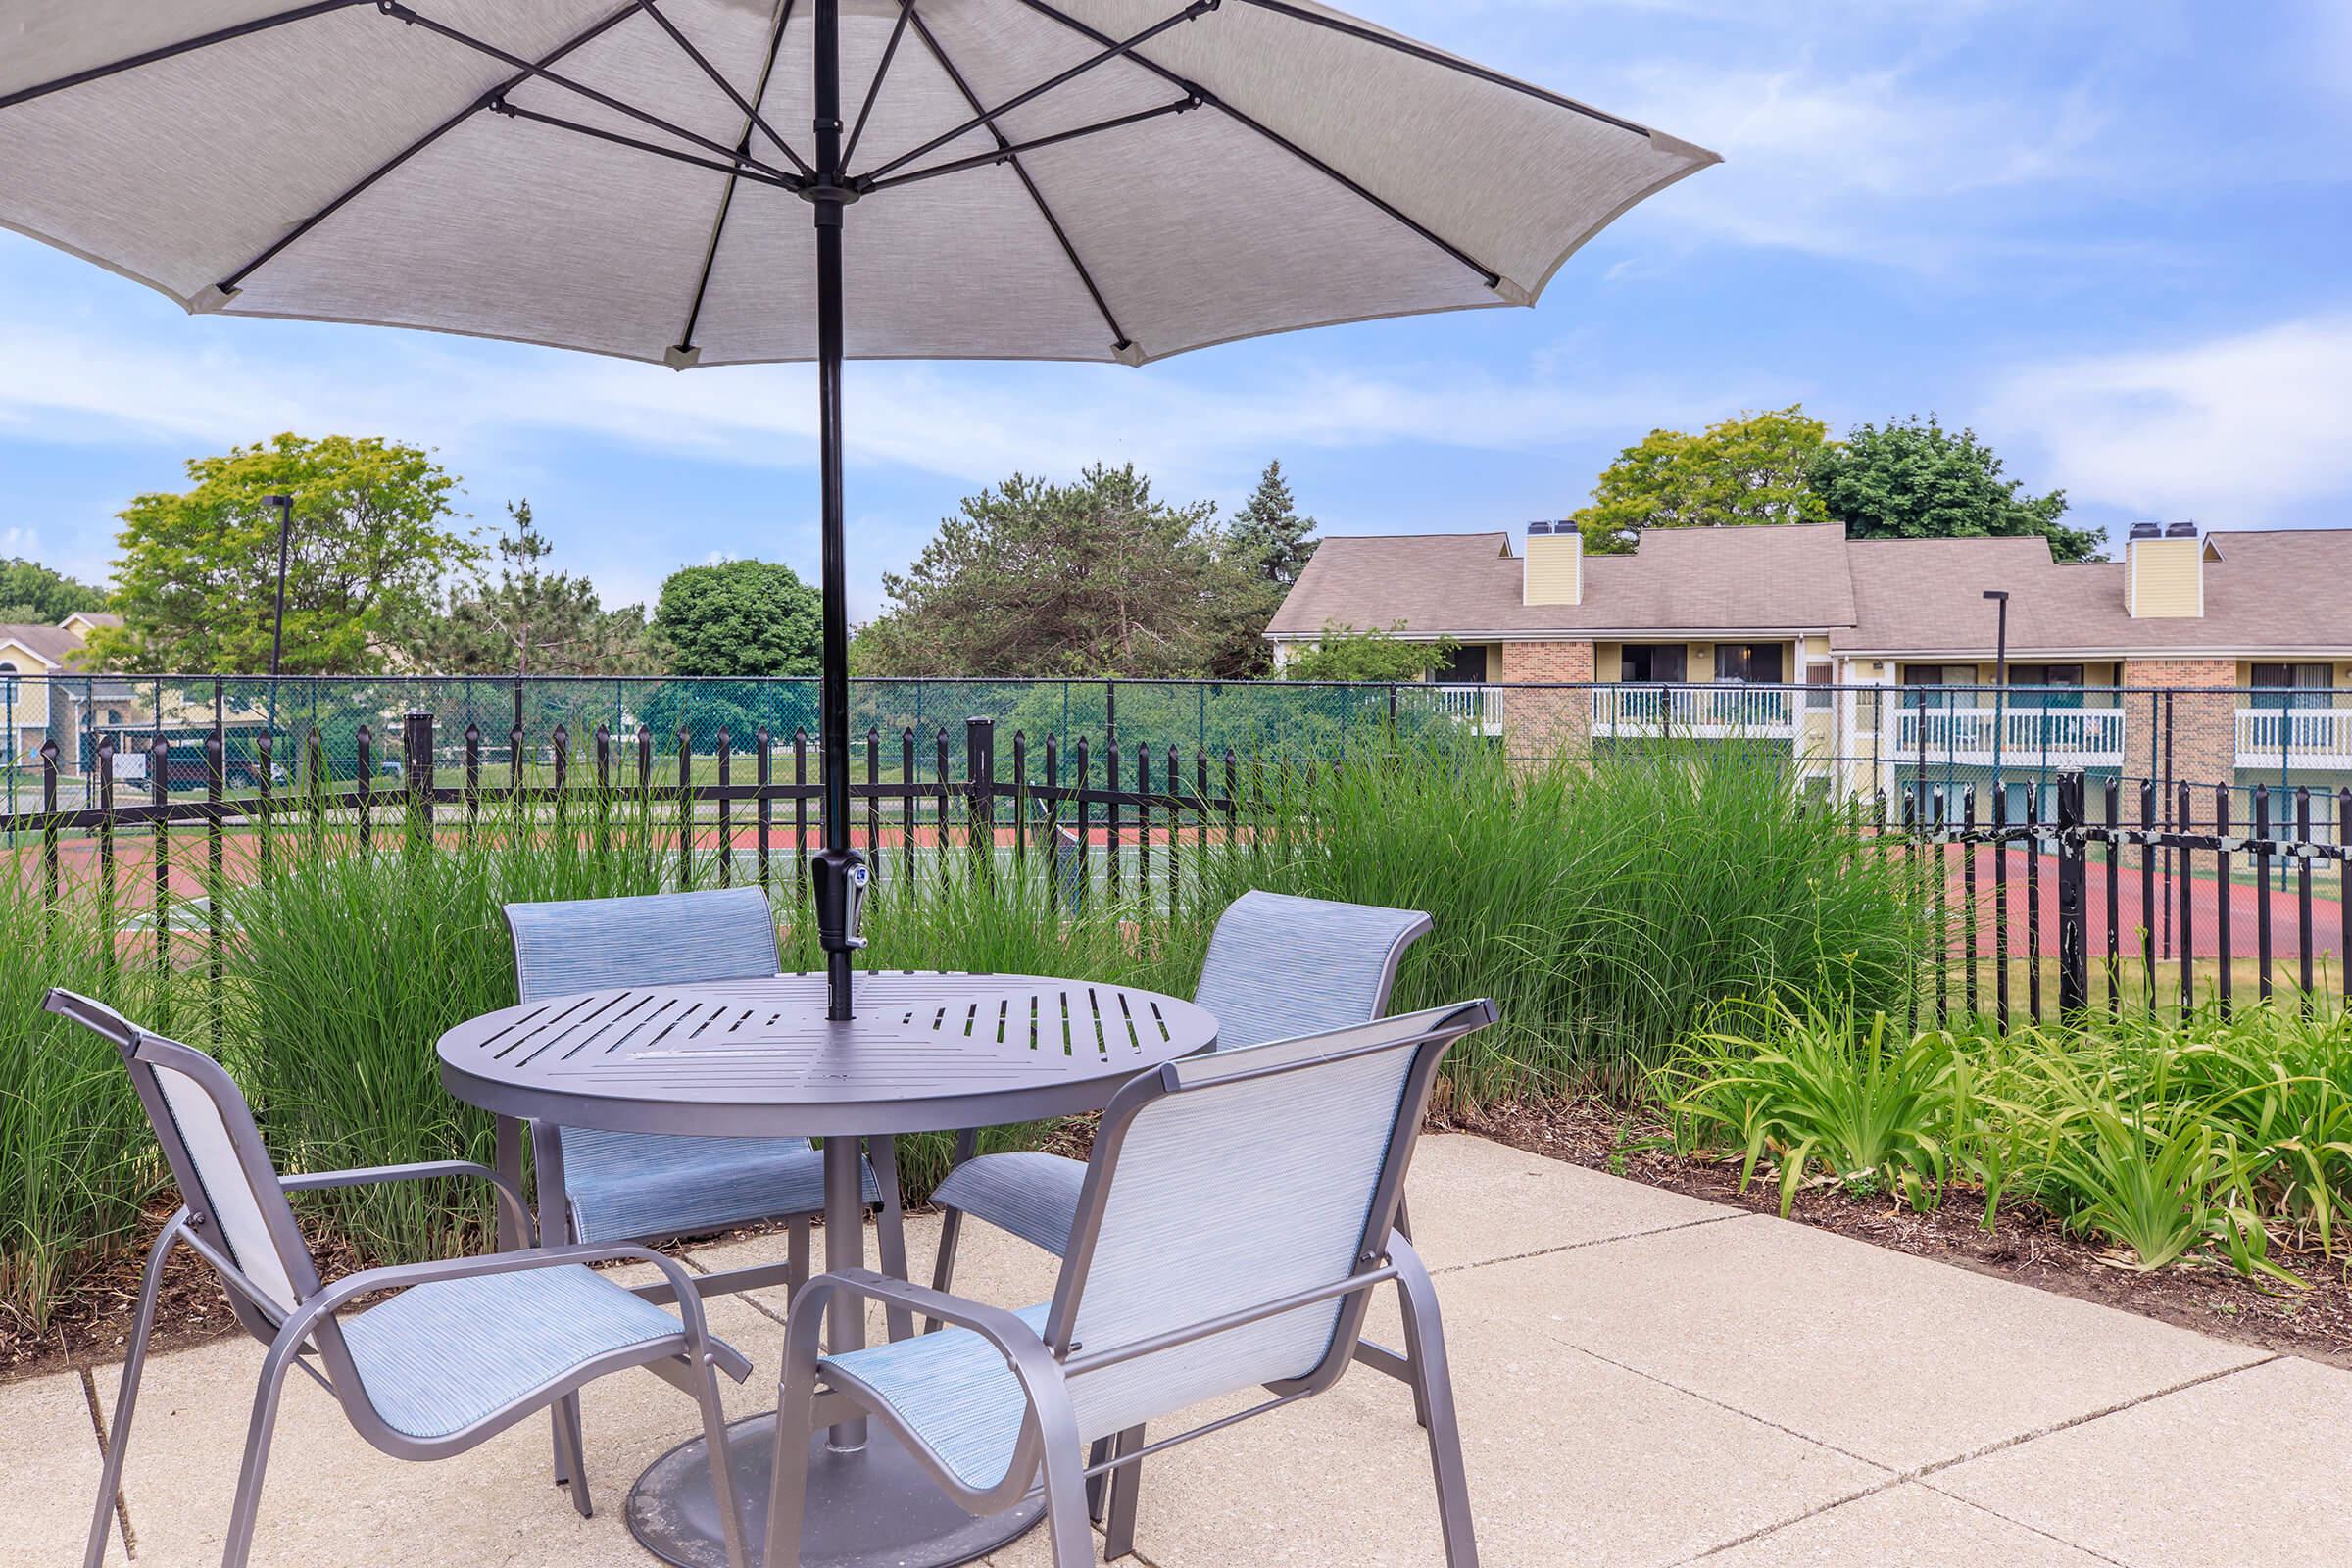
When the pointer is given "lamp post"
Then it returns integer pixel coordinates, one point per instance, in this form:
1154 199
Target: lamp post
277 630
2001 682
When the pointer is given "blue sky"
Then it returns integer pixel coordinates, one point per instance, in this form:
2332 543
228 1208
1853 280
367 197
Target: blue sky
2111 237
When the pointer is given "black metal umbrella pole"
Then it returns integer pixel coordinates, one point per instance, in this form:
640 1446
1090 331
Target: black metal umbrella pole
840 878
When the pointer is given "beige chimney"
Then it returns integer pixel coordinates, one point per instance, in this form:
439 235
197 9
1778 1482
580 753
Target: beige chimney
1554 572
2164 572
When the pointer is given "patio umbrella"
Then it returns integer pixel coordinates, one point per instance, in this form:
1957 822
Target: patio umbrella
707 182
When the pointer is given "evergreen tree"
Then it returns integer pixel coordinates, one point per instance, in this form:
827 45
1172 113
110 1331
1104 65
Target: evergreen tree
532 621
1268 538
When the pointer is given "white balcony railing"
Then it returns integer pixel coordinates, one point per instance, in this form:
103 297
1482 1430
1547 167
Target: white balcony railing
1699 713
2294 737
2057 737
1478 707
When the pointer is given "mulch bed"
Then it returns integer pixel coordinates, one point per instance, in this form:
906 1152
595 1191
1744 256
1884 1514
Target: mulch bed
2028 1246
93 1328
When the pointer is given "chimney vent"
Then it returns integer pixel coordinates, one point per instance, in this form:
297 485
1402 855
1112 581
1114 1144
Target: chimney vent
1536 528
2182 530
2146 531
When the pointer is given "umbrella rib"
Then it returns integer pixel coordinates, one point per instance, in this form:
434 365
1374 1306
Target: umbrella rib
513 111
726 200
403 13
987 117
889 50
230 284
1119 341
1493 277
1437 57
172 50
1007 153
725 86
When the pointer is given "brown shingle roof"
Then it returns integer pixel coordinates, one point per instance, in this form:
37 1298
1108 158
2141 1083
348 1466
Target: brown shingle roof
1680 580
52 643
2271 590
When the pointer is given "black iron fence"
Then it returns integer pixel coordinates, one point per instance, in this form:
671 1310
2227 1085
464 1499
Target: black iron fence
2131 897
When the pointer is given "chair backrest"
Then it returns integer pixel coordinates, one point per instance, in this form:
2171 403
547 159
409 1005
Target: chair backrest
1280 966
662 939
216 1153
1227 1183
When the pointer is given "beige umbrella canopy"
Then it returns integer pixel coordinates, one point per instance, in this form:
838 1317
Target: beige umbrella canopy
705 183
622 177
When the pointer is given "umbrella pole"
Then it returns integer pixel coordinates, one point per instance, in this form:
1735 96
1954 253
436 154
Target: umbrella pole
840 872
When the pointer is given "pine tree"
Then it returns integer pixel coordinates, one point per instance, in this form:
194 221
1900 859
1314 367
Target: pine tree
1268 538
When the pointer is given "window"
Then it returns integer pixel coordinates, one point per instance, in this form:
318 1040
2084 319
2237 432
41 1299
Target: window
1939 674
2294 685
1642 663
1466 665
1821 698
8 680
1757 664
2057 685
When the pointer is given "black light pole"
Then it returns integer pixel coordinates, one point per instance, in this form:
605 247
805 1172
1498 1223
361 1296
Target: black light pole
2000 681
839 877
277 630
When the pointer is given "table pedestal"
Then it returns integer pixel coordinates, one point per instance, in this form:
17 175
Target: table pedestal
875 1508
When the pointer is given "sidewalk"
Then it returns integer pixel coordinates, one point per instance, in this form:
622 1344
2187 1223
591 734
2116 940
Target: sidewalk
1644 1379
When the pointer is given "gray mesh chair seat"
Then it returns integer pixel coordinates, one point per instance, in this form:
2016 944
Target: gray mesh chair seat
445 1355
623 1186
1237 1217
467 1346
1278 966
953 1389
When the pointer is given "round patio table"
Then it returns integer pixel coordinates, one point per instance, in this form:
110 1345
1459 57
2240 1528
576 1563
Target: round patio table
926 1052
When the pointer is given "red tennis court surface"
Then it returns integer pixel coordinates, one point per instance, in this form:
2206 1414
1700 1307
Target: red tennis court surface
2205 896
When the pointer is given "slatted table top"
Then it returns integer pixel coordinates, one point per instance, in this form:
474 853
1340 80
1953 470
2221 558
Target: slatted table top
758 1058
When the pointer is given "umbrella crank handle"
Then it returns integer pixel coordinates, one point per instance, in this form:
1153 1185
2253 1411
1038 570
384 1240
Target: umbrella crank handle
841 883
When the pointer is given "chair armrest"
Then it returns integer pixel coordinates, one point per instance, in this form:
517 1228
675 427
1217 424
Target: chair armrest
430 1170
998 1327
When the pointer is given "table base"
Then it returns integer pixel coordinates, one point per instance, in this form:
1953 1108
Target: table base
875 1509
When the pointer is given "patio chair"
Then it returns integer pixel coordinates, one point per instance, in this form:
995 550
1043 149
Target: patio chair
599 1186
1234 1219
1278 966
466 1348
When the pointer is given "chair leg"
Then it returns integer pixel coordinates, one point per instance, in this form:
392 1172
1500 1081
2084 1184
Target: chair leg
796 1418
238 1546
556 1229
943 1269
127 1398
795 1256
1118 1529
722 1467
1098 1484
890 1221
1065 1507
1433 1382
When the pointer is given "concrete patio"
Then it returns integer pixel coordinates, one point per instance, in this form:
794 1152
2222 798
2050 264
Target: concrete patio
1644 1379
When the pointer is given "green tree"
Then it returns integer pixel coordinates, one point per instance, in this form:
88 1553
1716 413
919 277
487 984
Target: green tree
1914 479
532 621
739 617
1034 578
34 595
1268 538
372 544
1342 653
1735 473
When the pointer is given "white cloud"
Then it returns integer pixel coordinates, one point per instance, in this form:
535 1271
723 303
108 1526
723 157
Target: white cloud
968 422
2223 430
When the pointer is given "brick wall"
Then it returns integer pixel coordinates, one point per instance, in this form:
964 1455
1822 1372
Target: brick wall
2204 727
1541 722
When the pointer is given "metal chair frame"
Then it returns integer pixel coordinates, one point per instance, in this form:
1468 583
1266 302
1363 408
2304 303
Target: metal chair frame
307 1334
1046 1364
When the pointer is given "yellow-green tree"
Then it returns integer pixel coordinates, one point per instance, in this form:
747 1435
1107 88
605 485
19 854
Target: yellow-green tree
373 540
1739 472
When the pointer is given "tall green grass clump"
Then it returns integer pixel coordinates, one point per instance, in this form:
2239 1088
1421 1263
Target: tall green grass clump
342 971
75 1161
1606 907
